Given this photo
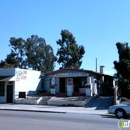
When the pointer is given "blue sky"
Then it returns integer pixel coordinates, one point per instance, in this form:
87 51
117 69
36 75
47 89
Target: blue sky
96 24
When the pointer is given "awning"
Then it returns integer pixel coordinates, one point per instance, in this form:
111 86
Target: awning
6 78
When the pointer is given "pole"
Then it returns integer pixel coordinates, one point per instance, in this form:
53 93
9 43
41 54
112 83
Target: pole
96 64
115 96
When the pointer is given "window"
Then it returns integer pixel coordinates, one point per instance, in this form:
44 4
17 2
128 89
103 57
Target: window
2 88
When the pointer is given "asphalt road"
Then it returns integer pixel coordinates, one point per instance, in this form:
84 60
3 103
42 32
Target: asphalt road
18 120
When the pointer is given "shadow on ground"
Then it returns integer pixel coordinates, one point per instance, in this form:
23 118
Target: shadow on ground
100 103
109 116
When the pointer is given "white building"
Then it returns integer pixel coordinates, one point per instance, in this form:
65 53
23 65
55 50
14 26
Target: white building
15 82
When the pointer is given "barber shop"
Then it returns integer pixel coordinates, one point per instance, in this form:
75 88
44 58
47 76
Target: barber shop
77 82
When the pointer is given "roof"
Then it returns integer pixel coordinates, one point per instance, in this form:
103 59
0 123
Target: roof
75 70
6 78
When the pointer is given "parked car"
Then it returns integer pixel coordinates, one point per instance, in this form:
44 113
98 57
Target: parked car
120 110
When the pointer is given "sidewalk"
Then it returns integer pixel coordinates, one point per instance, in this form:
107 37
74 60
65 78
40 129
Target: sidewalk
51 109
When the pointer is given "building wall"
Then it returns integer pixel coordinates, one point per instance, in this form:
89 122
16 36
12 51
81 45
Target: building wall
3 98
46 83
27 81
57 85
47 80
6 72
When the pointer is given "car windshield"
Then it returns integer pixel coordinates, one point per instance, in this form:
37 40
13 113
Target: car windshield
125 101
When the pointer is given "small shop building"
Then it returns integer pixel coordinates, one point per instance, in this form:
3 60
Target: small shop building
15 82
19 83
78 82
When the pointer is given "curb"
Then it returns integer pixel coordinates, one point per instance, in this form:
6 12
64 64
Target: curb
31 110
51 111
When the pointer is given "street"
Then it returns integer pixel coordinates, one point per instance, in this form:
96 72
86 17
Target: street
18 120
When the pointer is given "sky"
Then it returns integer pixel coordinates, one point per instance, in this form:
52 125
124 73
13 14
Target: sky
96 24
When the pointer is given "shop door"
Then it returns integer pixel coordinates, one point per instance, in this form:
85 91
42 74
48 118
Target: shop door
62 85
9 95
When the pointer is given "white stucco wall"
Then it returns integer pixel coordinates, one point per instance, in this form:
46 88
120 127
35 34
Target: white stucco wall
26 81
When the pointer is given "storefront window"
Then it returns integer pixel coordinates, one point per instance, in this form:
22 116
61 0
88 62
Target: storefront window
2 88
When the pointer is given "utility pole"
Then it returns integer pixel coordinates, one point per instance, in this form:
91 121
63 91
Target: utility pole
96 64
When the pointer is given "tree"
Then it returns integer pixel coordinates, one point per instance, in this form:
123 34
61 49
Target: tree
2 64
31 53
16 57
123 67
39 55
69 54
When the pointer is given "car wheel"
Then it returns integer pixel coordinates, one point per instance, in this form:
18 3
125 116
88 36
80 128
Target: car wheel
120 113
